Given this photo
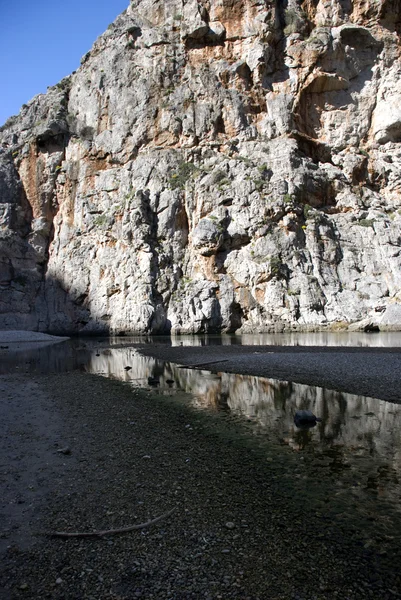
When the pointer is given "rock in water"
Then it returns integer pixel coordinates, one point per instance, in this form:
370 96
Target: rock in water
210 169
306 418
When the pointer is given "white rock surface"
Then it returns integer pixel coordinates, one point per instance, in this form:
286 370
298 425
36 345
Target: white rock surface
212 166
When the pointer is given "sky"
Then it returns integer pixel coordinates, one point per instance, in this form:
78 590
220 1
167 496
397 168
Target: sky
42 41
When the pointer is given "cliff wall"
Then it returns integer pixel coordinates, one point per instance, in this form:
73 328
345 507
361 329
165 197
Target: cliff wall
216 165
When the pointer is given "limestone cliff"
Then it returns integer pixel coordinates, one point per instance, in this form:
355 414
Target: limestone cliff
213 165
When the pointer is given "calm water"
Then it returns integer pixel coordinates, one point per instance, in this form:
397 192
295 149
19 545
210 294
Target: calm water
358 441
391 339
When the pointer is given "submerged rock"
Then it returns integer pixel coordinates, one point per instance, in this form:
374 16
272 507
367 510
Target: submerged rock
305 418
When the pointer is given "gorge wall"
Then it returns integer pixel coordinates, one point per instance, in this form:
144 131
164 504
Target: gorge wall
213 165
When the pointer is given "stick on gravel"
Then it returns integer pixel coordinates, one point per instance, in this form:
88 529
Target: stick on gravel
66 534
203 364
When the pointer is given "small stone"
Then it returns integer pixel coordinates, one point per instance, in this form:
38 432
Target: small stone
230 525
23 586
59 581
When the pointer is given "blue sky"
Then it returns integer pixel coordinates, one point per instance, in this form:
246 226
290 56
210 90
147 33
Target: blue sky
42 41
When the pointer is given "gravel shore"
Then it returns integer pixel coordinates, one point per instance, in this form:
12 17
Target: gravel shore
369 372
82 452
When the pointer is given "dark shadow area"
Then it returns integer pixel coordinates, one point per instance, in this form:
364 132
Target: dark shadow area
390 15
46 358
317 151
205 42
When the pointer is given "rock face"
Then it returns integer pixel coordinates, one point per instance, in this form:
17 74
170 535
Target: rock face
213 165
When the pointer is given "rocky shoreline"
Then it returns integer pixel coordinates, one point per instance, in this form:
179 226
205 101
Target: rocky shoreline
250 521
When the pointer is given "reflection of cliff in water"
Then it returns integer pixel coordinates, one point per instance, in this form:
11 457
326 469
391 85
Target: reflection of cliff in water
352 339
353 427
384 339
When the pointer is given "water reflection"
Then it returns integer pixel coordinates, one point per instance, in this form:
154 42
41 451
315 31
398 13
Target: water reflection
390 339
45 358
358 440
358 435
